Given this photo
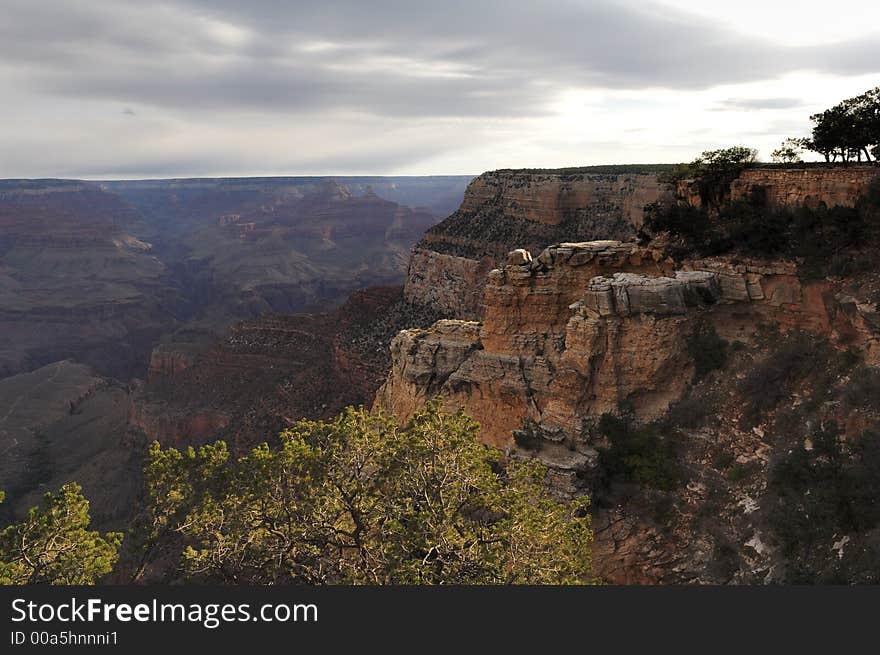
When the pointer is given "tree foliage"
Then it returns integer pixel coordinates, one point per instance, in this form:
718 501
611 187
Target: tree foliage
708 350
790 151
714 170
642 454
826 239
818 494
848 130
53 545
360 500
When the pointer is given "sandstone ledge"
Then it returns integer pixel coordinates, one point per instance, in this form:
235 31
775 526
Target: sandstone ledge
582 327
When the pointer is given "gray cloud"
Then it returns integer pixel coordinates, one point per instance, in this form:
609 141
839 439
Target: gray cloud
362 62
758 104
387 57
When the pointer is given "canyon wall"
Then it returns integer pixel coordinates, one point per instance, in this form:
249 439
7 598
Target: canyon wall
593 200
585 327
510 209
809 187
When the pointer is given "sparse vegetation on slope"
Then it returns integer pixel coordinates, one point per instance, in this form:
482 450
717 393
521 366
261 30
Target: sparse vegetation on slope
825 238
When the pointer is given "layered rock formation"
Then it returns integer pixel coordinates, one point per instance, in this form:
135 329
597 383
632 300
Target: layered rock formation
241 247
268 372
588 328
585 327
808 187
75 281
503 371
600 202
508 209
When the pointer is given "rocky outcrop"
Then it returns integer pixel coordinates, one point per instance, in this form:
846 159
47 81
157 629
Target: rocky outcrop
510 209
168 360
809 186
502 370
452 285
584 327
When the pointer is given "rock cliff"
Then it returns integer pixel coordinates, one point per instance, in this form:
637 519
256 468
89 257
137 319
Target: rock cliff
809 187
585 327
509 209
580 330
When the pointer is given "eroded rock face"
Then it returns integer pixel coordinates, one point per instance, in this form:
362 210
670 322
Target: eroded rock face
452 285
553 198
176 428
168 360
584 327
504 210
808 187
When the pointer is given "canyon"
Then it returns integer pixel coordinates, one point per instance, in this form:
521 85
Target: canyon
540 306
545 342
99 272
110 289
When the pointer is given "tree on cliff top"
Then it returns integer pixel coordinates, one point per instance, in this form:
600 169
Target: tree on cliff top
360 500
712 172
53 545
790 151
848 130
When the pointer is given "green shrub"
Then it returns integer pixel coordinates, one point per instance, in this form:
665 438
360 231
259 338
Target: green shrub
815 496
863 390
707 349
678 219
739 472
692 412
772 380
53 544
363 500
640 454
723 459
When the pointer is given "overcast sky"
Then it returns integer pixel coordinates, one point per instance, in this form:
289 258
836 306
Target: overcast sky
118 89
